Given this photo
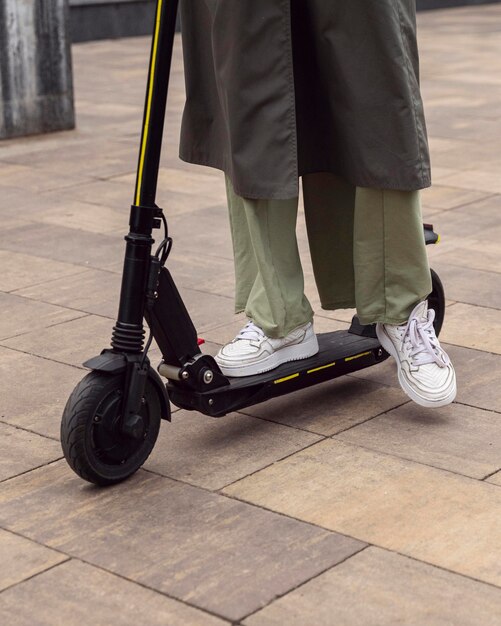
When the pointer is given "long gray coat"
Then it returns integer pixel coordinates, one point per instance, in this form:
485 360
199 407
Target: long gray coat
281 88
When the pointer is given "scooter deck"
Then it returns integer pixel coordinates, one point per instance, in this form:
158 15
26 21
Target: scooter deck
341 352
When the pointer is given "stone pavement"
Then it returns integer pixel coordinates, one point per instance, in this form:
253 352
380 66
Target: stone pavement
341 505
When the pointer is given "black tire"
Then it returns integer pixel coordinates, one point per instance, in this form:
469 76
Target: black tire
90 434
436 301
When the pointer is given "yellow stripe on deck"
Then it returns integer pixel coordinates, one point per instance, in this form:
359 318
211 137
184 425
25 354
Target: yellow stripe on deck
357 356
283 380
323 367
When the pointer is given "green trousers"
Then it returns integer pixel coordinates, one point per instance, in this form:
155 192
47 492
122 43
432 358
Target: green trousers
367 248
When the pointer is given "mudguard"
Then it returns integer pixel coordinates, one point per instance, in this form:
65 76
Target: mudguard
115 363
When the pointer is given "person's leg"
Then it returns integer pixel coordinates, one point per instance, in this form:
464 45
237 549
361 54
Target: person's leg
393 281
268 273
329 206
270 288
392 272
246 270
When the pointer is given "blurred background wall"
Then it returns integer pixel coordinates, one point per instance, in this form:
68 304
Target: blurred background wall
104 19
36 86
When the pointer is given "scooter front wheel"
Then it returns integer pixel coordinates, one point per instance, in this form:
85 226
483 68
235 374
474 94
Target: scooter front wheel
91 436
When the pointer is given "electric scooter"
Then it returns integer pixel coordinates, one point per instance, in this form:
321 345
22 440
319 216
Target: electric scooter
112 418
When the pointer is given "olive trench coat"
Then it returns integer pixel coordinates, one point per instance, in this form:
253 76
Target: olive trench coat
280 88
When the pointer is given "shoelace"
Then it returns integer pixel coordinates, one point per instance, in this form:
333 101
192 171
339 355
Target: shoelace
250 332
425 347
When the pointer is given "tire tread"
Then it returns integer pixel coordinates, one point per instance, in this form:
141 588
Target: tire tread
74 421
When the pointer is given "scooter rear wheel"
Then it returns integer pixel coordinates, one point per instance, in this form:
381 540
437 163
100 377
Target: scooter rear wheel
436 301
91 437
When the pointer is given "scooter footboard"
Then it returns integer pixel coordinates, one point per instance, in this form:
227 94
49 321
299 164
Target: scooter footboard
171 324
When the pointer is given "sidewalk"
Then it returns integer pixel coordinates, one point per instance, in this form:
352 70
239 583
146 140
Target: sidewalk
342 505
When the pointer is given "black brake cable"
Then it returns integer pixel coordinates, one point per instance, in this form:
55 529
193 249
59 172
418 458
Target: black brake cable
165 247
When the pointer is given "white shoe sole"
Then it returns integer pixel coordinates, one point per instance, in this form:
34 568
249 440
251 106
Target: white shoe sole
296 352
387 344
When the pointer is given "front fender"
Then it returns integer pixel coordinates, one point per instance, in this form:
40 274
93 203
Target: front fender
115 363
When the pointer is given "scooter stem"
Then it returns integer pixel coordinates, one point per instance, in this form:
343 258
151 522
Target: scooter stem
128 333
156 102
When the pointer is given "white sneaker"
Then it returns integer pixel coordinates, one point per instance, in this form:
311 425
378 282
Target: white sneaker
252 352
425 371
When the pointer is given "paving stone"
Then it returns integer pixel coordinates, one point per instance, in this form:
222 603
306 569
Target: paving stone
96 158
196 546
85 216
330 407
221 334
475 254
14 221
23 270
325 324
495 479
475 221
429 214
91 291
478 374
20 315
21 451
32 143
65 244
482 324
22 559
426 513
84 337
203 233
463 152
98 292
458 438
110 193
210 348
472 286
212 453
40 406
207 310
39 179
118 195
196 182
445 197
478 377
341 315
32 205
71 343
77 593
378 587
441 172
470 129
193 271
478 179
